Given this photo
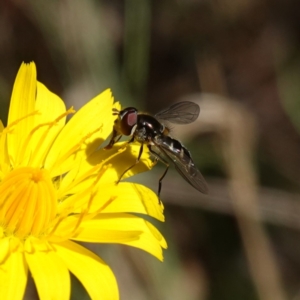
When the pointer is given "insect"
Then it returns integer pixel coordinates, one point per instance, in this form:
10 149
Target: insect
150 131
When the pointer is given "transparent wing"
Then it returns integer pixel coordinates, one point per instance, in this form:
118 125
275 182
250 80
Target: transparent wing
173 151
180 113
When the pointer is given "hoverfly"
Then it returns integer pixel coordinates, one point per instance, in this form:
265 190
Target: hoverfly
149 131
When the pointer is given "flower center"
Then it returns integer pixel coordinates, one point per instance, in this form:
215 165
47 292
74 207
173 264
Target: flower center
27 202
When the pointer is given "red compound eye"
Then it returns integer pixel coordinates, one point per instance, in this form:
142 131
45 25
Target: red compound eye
128 120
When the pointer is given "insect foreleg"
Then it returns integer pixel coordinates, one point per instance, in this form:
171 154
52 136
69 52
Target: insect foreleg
114 138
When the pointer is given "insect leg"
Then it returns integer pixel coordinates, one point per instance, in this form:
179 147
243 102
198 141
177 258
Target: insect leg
160 181
131 140
113 140
136 162
159 157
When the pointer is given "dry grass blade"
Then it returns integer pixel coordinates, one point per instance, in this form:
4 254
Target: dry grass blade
236 130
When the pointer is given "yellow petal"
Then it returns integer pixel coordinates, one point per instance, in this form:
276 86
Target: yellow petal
134 198
3 162
118 159
125 160
21 105
124 197
4 158
13 277
100 231
149 240
4 249
91 271
49 107
86 130
69 226
50 274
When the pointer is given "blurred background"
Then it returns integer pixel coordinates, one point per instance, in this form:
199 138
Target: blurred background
240 61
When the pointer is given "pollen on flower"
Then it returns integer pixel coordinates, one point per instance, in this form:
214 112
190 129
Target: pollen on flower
37 175
28 202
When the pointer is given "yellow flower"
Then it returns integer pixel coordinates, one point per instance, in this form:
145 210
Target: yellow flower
58 186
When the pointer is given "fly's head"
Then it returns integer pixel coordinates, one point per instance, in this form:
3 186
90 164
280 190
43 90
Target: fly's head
126 122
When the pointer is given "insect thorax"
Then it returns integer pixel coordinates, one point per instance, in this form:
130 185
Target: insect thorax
147 128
